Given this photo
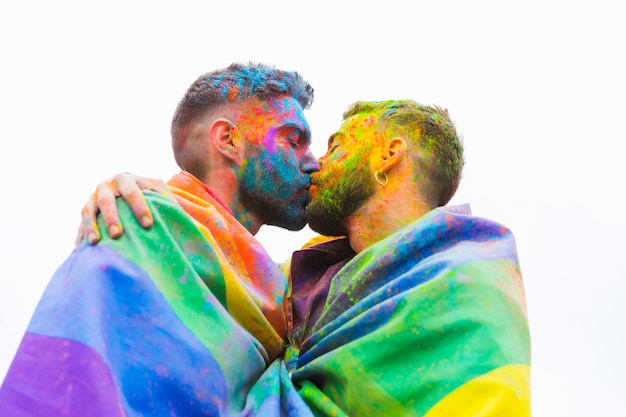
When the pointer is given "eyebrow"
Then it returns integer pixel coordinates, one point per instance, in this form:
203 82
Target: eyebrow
304 130
332 137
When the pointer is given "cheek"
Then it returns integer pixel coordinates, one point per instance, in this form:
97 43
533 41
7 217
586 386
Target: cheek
287 165
338 166
255 130
351 164
269 142
275 169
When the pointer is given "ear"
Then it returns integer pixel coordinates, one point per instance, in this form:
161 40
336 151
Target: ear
224 137
393 152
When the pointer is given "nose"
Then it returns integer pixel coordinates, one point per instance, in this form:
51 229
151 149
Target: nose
309 163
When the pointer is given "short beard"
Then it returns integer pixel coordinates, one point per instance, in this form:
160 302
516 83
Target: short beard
270 211
328 210
256 194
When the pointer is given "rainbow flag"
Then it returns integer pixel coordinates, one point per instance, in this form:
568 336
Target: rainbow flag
430 321
183 319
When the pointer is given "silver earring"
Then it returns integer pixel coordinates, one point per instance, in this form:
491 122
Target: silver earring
383 182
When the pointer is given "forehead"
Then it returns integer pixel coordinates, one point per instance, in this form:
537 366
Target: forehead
276 112
359 127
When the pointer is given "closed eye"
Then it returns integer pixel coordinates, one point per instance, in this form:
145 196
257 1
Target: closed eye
334 141
295 136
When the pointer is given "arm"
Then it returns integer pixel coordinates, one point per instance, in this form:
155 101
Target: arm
129 187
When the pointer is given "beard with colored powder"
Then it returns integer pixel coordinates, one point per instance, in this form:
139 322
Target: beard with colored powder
272 186
338 196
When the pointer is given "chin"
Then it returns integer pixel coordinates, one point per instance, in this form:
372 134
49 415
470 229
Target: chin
325 226
293 219
292 224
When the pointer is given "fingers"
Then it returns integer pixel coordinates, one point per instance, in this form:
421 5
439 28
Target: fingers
129 187
103 201
89 227
106 194
153 184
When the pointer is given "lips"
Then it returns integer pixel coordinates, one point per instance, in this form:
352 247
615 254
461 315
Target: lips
312 192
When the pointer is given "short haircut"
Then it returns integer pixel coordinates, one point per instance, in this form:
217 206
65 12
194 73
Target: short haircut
236 83
434 146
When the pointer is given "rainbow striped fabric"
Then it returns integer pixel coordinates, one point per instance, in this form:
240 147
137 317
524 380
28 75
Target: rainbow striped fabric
188 319
185 319
430 321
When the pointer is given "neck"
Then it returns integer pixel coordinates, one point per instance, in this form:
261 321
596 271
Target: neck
224 185
389 210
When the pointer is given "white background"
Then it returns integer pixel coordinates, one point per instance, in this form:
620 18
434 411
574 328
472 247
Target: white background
536 89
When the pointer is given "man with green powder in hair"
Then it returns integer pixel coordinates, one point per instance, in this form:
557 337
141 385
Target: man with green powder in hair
412 308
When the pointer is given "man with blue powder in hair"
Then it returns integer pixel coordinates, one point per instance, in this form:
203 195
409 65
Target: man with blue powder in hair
186 318
418 309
